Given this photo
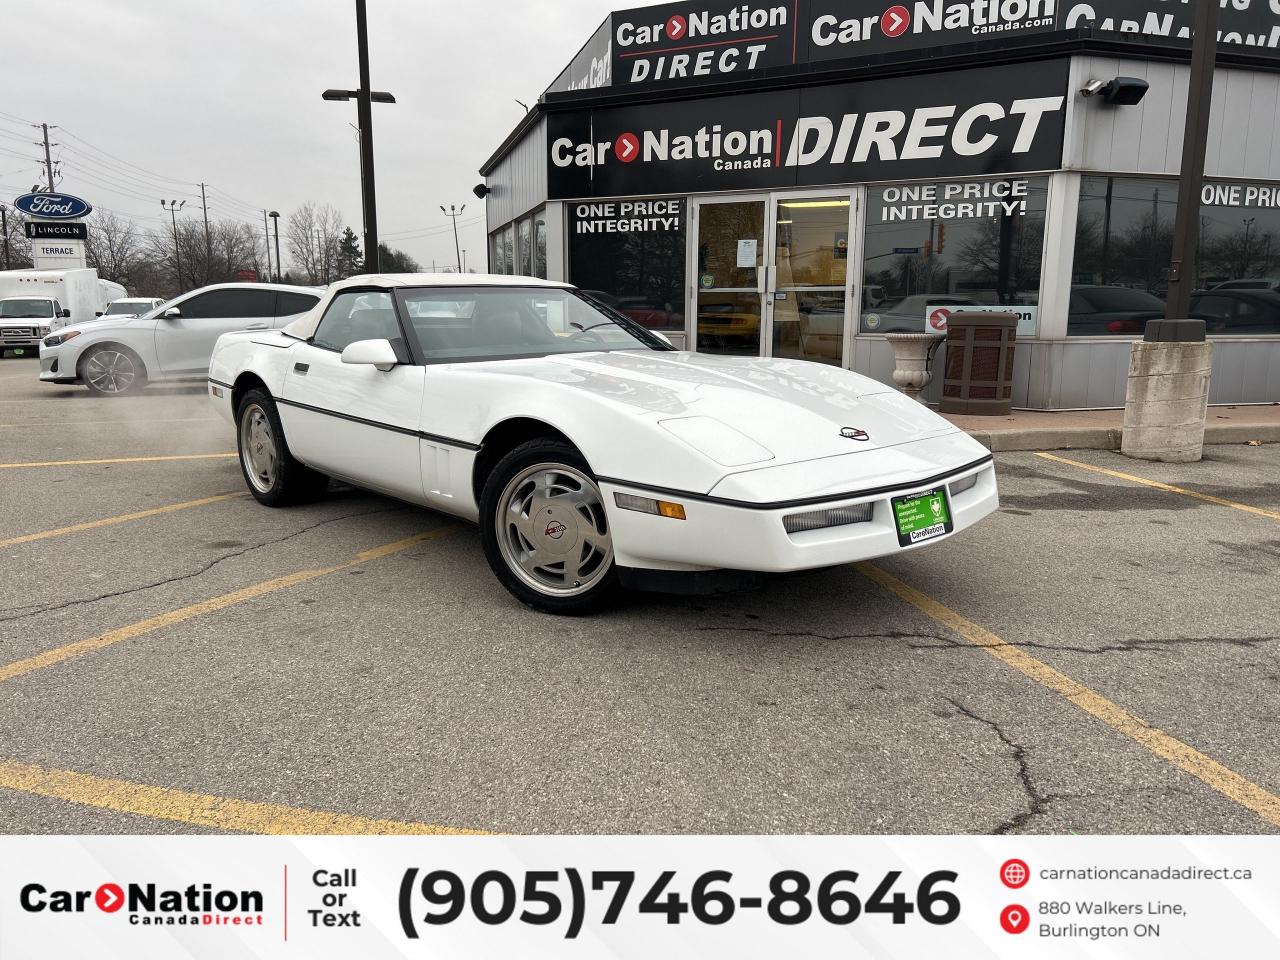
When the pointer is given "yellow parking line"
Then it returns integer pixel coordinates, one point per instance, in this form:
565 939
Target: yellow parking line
52 657
219 813
1157 485
1186 758
90 463
112 521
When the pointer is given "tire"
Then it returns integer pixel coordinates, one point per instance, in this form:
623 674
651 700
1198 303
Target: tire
112 371
270 472
545 531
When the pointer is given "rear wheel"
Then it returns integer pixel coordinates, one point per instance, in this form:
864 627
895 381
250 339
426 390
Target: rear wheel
274 477
111 371
545 531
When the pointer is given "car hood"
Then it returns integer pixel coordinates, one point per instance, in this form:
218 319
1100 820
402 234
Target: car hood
745 412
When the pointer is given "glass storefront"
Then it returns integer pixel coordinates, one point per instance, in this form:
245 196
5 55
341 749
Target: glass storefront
730 310
936 248
1124 244
812 257
631 255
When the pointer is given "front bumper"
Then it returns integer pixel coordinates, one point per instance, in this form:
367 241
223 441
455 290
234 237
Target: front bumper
57 366
718 535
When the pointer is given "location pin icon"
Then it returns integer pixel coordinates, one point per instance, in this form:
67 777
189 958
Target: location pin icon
1015 919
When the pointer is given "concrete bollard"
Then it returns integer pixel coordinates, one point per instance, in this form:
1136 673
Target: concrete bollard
1167 401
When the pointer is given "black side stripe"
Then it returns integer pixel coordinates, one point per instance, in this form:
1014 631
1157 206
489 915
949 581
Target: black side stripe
792 504
219 383
405 431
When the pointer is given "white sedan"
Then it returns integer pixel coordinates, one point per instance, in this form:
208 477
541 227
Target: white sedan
592 454
114 355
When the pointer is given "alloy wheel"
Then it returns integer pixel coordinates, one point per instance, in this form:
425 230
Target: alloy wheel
110 371
258 448
552 530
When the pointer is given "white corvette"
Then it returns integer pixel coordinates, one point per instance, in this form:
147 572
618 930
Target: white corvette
592 454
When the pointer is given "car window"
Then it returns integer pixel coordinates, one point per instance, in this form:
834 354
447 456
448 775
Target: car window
290 304
230 305
357 315
497 323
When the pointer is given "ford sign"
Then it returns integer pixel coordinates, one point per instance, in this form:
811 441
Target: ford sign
53 206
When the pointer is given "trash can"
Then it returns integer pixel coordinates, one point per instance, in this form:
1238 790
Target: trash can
979 364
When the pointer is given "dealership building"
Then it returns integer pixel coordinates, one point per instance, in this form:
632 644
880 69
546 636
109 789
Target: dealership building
800 178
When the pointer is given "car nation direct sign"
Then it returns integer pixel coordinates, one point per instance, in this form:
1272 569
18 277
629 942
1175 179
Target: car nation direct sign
53 206
979 122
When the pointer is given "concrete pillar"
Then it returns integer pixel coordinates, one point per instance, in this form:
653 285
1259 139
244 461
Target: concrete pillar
1167 401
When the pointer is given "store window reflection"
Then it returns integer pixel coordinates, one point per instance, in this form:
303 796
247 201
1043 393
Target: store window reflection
935 248
1124 244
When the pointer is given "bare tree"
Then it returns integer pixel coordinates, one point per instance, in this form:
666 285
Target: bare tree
315 237
19 245
115 247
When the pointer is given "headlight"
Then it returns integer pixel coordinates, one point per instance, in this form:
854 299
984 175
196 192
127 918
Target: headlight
42 331
61 338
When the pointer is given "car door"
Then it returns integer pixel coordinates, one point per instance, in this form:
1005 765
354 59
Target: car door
184 343
354 421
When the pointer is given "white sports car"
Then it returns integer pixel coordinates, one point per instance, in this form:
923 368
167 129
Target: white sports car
592 453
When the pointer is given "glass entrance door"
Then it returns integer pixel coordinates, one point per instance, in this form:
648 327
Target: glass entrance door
730 276
810 274
771 276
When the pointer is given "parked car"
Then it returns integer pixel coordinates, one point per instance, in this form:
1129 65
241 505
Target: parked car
592 454
1100 310
114 355
131 306
1233 310
25 321
1263 283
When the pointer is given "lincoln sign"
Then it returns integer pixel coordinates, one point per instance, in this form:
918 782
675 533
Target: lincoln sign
980 122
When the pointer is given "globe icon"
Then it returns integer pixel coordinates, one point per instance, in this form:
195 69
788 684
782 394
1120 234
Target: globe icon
1014 874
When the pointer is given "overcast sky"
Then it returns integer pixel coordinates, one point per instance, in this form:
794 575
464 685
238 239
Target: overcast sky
228 91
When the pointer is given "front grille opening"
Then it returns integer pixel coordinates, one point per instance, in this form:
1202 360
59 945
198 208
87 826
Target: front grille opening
826 519
964 486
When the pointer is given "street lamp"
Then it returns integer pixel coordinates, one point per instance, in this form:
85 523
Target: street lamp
453 213
173 206
275 221
365 98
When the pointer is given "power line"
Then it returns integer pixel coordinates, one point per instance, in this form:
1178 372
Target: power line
149 173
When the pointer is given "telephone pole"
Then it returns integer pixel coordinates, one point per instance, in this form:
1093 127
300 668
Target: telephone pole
453 214
48 159
173 206
208 240
4 232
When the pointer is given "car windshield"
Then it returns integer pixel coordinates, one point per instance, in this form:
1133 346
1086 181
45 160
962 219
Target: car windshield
26 308
502 323
122 306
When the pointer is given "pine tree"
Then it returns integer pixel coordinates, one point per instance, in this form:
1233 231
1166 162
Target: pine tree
350 258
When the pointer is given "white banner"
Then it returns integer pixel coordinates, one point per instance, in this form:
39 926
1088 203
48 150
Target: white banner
638 897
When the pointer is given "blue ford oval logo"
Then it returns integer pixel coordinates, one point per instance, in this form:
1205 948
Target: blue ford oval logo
53 206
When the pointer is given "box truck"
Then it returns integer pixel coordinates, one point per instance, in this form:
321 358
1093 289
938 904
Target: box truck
34 303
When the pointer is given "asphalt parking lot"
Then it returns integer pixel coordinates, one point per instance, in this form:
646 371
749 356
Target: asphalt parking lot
1100 657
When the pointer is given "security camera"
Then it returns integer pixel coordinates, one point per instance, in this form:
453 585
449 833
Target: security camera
481 190
1120 92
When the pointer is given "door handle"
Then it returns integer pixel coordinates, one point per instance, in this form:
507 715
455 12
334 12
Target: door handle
257 326
301 368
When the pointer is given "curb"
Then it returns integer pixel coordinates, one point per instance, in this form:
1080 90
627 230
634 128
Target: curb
1109 438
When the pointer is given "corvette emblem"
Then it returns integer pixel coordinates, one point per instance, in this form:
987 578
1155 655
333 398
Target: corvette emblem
853 433
555 530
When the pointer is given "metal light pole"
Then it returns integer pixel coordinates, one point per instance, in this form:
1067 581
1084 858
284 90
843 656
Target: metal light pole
453 214
1183 269
275 220
1248 229
365 98
173 206
266 236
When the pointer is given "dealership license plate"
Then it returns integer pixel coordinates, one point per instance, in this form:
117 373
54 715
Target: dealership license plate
923 517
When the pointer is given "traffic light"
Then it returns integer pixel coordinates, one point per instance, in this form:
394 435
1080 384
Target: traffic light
942 238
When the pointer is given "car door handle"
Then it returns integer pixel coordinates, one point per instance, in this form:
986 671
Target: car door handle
301 367
258 326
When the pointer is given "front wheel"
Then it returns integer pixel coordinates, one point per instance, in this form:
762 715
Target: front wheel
111 371
274 477
545 531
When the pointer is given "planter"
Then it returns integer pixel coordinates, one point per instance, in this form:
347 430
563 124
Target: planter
913 360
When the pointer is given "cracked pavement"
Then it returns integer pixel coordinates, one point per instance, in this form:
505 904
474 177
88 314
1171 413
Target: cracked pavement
414 688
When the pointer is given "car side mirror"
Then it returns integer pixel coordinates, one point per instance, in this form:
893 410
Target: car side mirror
172 313
377 353
66 314
97 313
